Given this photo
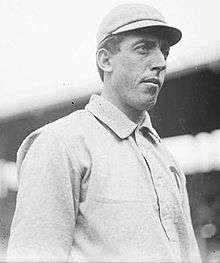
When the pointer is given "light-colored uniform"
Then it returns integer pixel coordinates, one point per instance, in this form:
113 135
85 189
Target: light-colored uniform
94 186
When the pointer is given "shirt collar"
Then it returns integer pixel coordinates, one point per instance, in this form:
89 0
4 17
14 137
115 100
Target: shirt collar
115 119
147 124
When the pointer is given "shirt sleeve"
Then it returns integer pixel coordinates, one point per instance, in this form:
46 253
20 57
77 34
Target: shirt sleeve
47 201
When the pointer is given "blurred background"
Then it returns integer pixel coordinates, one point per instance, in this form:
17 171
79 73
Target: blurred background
48 70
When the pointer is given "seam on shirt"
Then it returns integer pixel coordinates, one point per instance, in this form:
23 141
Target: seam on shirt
61 140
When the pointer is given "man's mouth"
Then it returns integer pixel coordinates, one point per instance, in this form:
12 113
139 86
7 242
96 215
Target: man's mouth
154 81
153 85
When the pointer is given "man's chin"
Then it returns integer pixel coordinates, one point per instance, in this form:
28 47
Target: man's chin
145 105
151 104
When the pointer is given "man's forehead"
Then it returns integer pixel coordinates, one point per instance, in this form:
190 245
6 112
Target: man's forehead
144 36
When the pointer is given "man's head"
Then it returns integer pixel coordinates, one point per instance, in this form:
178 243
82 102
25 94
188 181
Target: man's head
132 46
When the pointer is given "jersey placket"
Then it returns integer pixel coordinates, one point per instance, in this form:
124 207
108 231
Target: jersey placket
165 202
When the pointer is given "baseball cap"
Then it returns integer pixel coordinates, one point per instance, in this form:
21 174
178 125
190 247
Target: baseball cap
133 16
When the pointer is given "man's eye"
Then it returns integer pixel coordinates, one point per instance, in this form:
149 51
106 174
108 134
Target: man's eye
146 47
140 48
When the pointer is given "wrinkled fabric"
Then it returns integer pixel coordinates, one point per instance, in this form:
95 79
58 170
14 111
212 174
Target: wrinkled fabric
94 186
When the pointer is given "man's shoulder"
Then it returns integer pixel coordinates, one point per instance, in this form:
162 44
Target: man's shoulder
72 124
67 130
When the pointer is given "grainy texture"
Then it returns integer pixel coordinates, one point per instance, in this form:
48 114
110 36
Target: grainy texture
96 186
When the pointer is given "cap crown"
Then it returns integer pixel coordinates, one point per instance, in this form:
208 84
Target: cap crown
126 14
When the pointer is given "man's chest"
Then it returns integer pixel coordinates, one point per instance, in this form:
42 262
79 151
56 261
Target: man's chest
124 171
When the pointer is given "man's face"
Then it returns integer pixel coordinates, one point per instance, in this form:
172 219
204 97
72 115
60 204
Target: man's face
138 70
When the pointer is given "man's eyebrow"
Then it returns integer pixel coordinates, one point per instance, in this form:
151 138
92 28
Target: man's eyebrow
143 41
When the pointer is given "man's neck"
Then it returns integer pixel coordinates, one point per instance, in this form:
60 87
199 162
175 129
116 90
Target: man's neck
134 115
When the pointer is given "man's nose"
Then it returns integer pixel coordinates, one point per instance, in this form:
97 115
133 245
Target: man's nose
158 61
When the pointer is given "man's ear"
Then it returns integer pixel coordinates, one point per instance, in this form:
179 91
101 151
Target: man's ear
103 58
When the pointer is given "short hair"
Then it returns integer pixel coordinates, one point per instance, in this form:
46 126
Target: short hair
112 44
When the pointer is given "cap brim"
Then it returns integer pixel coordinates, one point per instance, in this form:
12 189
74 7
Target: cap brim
172 34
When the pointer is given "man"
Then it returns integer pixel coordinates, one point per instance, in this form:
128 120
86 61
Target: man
98 185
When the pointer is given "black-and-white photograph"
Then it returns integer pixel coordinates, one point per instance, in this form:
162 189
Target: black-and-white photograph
110 131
